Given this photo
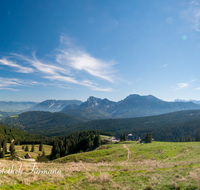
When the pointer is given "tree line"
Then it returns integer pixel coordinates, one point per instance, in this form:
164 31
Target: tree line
74 143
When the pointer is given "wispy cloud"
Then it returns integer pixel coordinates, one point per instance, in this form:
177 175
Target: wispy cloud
19 68
39 66
184 85
71 65
192 14
9 83
165 65
82 61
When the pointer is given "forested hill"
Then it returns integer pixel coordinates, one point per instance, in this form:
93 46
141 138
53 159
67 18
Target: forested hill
11 133
41 122
166 127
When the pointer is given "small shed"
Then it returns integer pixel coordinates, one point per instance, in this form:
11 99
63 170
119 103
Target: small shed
27 156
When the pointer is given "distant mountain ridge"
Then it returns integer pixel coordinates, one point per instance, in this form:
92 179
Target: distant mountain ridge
133 105
54 105
10 106
194 101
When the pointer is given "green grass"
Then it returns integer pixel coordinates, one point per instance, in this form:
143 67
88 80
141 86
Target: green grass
105 153
159 165
21 153
14 116
105 137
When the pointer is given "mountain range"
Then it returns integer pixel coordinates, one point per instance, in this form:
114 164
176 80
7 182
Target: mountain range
12 106
194 101
132 106
53 105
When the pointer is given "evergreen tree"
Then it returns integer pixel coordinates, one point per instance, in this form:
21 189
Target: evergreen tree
121 137
124 137
197 136
2 153
5 145
55 152
12 149
62 151
182 139
42 158
41 146
97 141
32 148
89 142
26 148
188 138
148 138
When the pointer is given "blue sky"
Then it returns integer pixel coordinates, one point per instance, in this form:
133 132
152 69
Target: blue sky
105 48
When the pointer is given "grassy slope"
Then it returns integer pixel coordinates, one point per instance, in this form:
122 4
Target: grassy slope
160 165
21 153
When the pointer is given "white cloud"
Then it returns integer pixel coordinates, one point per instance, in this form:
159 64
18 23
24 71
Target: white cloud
70 66
42 67
13 64
82 61
165 65
12 89
192 14
8 83
184 85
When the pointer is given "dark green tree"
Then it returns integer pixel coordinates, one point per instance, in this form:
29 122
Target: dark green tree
26 148
12 149
42 158
148 138
182 139
124 137
41 146
121 137
5 145
197 136
2 153
188 138
32 148
97 141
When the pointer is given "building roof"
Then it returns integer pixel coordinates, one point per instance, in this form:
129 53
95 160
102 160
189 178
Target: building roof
27 155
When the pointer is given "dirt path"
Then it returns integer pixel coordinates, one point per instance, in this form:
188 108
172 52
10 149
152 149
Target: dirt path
30 160
129 153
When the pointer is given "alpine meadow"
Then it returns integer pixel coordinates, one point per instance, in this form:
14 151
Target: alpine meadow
100 95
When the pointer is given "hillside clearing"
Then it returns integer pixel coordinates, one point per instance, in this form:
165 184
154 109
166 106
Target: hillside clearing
158 165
